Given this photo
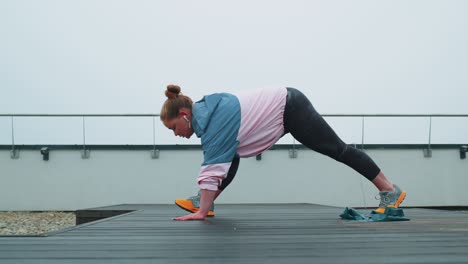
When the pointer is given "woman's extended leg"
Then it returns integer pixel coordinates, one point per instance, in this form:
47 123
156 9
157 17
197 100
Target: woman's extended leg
307 126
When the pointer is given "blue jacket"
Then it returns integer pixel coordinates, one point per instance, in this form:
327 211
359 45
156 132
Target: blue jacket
216 120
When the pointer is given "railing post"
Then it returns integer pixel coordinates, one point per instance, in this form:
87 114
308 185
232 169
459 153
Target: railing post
14 153
85 153
154 152
362 133
427 152
293 151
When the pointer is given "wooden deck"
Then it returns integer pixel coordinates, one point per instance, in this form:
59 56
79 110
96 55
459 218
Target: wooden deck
289 233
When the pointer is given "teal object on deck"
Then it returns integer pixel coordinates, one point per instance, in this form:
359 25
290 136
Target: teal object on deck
390 214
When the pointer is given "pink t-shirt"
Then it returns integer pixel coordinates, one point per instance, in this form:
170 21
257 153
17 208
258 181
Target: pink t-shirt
261 120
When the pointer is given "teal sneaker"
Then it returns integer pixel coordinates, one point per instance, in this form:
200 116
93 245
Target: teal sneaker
192 204
390 199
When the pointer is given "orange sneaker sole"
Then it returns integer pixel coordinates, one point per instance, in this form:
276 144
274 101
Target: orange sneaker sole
400 199
187 205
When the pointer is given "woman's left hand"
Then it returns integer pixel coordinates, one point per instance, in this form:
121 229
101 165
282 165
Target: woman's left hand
195 216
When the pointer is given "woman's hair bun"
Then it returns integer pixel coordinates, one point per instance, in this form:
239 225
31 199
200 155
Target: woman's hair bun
172 91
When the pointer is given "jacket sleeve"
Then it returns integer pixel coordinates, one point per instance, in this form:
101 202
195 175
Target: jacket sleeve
219 146
211 176
219 149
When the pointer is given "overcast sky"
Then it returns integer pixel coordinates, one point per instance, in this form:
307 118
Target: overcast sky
117 56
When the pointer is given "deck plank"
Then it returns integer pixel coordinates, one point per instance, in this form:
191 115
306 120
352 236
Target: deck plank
281 233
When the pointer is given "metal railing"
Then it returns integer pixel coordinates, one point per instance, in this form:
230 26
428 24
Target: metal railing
155 151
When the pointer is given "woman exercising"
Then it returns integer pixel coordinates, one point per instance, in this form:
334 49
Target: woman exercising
239 126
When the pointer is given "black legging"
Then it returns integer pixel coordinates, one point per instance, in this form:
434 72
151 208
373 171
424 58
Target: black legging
309 128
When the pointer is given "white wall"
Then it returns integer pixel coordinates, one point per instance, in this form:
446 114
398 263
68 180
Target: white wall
67 182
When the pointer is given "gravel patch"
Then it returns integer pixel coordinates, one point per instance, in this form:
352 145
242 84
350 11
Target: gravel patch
34 223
